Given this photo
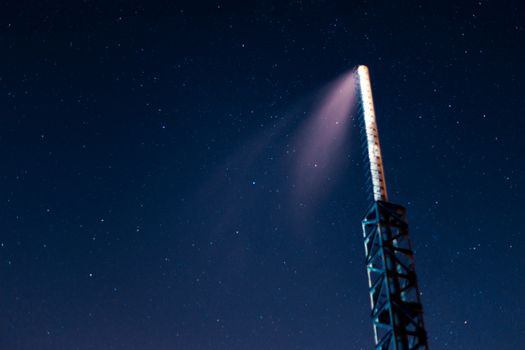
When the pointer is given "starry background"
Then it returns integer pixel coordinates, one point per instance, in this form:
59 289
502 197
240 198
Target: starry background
145 202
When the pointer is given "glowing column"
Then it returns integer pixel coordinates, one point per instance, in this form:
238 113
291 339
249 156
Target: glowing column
372 137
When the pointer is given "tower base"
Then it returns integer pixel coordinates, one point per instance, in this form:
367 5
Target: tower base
397 314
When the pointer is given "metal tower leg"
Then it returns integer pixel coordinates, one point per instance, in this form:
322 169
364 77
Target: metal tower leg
397 314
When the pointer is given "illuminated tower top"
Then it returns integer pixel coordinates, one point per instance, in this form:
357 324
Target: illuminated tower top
372 137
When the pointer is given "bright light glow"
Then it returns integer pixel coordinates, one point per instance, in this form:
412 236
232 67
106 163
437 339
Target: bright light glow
320 142
372 136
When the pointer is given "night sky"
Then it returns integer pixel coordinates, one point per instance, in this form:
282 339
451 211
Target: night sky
147 192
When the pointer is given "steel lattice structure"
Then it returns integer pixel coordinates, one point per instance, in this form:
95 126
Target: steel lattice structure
397 314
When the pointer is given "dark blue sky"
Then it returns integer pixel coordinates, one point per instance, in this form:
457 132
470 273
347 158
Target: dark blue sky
145 201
